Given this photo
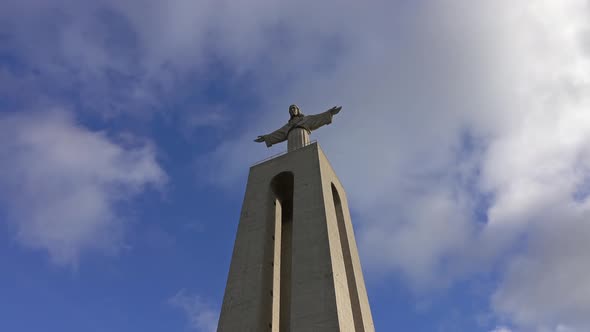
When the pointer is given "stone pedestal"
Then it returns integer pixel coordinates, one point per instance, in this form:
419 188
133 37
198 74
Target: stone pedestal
295 265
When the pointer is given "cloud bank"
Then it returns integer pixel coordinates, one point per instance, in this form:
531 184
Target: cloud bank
63 185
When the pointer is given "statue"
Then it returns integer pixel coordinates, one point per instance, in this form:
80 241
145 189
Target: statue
297 130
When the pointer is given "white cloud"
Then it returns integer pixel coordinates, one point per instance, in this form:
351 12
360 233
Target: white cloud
200 315
501 329
546 286
61 183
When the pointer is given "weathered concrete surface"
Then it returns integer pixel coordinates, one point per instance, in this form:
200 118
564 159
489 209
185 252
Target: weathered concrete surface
325 281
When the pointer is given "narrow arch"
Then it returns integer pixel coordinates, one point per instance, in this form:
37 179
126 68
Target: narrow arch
350 277
282 186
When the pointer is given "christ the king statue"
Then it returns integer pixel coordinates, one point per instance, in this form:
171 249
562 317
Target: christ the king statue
297 130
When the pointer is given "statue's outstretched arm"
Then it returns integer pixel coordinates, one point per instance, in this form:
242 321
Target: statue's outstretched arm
313 122
275 137
334 110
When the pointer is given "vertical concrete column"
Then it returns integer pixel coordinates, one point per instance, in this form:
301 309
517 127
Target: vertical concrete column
277 264
359 301
248 300
316 269
363 298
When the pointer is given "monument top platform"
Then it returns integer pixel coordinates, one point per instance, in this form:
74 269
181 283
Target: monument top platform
282 153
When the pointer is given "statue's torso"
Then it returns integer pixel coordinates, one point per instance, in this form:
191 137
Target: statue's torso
297 138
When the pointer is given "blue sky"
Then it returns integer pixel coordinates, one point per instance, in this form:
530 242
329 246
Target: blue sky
126 133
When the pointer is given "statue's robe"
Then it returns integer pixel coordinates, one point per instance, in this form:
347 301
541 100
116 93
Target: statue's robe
307 122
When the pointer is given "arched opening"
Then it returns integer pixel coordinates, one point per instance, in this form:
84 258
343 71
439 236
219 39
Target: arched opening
282 188
350 278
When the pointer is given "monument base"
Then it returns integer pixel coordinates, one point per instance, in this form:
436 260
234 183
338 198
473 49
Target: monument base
295 264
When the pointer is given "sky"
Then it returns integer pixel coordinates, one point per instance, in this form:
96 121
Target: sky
463 144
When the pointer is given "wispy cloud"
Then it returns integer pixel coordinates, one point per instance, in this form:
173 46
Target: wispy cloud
501 329
61 183
200 315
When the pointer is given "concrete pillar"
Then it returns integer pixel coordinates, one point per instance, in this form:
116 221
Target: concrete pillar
295 265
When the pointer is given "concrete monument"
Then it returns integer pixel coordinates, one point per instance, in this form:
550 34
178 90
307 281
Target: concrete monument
295 265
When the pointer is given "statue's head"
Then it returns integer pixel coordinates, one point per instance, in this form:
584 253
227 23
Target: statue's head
294 110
